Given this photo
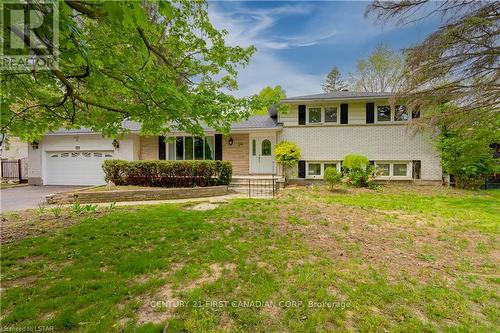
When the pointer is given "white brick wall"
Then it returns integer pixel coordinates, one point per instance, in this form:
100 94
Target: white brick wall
377 142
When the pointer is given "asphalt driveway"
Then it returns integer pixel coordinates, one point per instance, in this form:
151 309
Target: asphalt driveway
25 197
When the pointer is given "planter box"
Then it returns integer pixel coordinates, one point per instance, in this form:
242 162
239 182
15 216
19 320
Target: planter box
136 195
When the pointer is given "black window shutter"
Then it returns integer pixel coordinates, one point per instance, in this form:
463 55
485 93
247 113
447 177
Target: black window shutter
302 169
417 166
218 147
370 113
162 148
371 162
302 114
344 111
415 113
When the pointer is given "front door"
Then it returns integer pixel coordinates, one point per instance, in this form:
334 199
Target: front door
262 154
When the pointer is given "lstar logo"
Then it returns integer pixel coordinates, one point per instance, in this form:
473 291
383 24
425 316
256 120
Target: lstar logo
29 34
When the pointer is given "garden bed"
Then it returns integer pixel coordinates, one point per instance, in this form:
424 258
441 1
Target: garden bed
135 193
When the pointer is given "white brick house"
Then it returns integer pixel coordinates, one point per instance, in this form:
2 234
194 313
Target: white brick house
326 127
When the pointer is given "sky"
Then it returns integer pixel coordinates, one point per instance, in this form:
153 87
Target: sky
298 42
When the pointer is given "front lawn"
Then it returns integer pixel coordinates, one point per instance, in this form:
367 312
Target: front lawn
398 259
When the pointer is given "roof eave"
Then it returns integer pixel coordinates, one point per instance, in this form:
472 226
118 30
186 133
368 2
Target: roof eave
334 99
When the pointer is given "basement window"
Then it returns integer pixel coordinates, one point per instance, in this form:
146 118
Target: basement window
314 169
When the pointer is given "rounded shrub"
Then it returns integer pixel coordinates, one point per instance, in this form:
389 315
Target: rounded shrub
287 154
332 177
358 171
354 161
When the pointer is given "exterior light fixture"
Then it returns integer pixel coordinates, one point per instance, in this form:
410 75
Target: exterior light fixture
231 141
116 144
34 145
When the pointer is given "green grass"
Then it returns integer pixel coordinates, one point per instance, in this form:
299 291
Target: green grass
327 262
476 209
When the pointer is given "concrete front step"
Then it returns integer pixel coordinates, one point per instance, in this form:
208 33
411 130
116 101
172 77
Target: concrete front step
258 181
253 191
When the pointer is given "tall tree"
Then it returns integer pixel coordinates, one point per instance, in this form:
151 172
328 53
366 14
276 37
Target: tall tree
270 97
161 63
457 65
380 72
333 81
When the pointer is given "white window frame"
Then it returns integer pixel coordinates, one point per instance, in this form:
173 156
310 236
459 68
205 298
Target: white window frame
338 114
391 169
322 168
322 111
391 112
392 119
407 113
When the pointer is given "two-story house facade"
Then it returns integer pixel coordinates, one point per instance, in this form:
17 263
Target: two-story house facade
326 127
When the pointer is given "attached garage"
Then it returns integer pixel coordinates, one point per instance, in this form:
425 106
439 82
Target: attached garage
76 167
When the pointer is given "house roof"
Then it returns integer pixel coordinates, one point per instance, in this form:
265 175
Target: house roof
253 122
337 95
260 121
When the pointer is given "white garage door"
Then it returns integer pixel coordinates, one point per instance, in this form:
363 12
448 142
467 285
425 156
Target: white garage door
76 168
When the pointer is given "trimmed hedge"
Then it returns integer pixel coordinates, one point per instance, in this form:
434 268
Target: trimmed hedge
168 173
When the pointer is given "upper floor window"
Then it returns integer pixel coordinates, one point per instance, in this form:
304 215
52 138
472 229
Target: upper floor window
321 115
314 115
401 113
330 114
384 113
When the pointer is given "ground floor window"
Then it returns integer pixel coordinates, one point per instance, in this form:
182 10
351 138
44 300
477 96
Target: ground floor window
314 169
317 169
384 169
400 169
191 148
392 169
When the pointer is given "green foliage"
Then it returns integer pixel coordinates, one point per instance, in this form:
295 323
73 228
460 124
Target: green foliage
358 171
271 97
102 262
380 72
469 158
287 154
332 177
159 63
78 208
354 161
56 211
41 206
361 177
168 173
